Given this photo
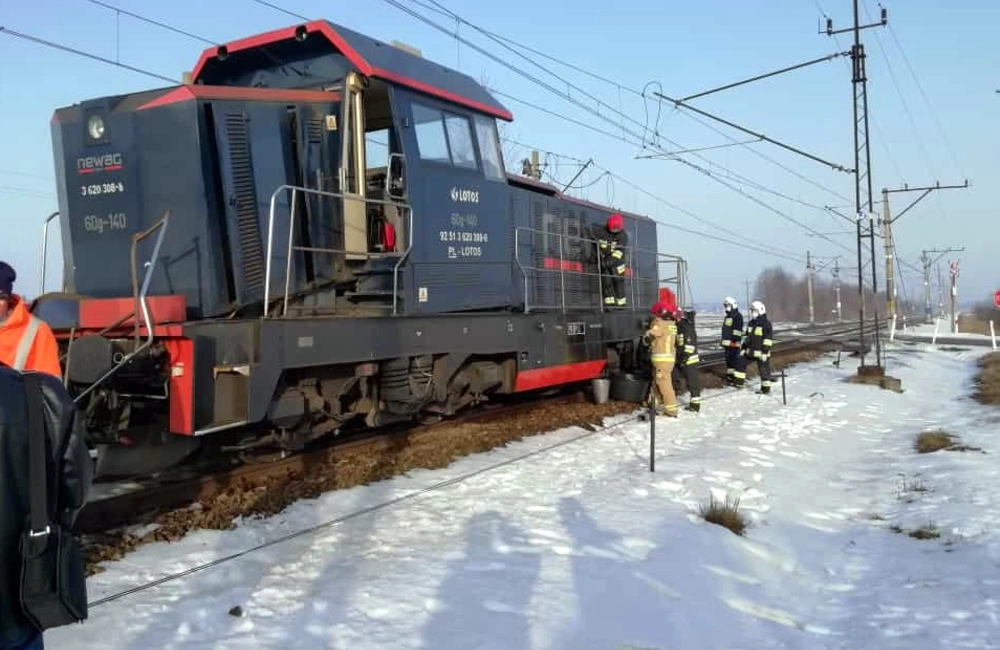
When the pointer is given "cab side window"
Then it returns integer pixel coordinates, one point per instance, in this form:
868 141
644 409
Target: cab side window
489 148
444 137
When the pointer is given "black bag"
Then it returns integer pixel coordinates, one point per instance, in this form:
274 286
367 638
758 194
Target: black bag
53 574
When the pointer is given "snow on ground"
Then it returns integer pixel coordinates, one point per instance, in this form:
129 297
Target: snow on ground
583 547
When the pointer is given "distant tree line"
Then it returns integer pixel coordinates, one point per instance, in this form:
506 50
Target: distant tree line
786 296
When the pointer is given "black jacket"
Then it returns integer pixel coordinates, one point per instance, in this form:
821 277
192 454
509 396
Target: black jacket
70 470
610 247
732 329
687 343
759 341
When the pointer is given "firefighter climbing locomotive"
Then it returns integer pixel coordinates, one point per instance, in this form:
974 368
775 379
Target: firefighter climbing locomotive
317 230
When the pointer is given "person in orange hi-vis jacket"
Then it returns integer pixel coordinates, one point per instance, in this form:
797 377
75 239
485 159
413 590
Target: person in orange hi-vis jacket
26 342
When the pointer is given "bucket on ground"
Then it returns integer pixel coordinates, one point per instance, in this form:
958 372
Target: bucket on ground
628 387
601 389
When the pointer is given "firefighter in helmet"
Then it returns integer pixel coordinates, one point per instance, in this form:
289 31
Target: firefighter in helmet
686 367
662 337
759 342
611 244
732 342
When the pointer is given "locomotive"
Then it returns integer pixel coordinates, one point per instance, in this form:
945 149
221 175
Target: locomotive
315 231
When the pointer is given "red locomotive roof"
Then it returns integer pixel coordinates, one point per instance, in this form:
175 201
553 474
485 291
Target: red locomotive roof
369 56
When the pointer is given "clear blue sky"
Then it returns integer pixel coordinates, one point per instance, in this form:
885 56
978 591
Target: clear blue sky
942 129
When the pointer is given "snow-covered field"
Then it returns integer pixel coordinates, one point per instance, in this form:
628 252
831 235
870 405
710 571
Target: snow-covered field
581 547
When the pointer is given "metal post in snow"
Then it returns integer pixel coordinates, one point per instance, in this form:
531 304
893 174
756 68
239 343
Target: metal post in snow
784 395
652 434
937 324
993 335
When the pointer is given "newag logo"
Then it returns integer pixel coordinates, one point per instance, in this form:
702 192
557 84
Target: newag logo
108 162
459 195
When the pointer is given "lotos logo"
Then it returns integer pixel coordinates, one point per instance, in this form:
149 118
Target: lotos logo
108 162
464 196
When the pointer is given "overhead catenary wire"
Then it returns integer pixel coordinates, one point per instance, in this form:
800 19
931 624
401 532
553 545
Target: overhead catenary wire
872 118
94 57
586 107
633 91
623 138
927 101
917 136
743 244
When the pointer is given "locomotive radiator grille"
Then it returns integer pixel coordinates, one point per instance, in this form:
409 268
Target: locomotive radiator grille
244 189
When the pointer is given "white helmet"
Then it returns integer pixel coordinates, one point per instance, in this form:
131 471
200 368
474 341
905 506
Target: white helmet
729 303
757 307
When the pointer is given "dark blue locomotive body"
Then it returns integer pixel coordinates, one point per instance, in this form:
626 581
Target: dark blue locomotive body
330 232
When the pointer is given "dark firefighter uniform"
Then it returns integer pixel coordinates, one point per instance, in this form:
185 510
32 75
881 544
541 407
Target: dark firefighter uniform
686 367
611 243
732 342
662 337
759 344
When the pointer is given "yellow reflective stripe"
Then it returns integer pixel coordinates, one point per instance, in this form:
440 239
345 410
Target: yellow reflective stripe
617 254
768 342
693 359
663 357
756 354
726 343
689 349
758 331
739 375
737 332
620 269
728 321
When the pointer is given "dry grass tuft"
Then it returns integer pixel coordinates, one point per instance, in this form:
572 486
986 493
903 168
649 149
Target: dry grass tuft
971 325
988 380
931 441
928 531
726 514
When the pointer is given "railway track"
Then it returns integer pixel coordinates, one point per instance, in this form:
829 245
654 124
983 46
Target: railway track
114 518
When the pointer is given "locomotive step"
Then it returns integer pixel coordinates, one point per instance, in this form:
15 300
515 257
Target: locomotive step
369 295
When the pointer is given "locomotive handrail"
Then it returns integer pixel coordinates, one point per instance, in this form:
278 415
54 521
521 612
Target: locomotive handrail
140 297
634 280
45 250
291 247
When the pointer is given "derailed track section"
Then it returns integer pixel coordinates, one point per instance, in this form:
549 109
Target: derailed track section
167 511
